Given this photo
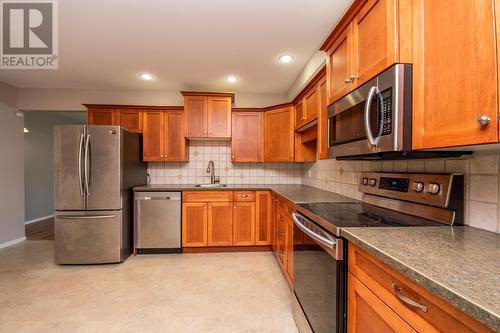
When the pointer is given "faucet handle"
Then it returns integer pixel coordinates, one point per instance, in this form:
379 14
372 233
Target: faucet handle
216 180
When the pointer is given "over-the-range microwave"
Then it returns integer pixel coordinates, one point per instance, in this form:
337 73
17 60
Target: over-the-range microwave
375 120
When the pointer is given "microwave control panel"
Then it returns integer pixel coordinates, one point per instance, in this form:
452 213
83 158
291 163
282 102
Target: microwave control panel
386 112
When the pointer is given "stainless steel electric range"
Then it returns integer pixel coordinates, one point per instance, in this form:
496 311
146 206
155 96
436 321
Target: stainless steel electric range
389 200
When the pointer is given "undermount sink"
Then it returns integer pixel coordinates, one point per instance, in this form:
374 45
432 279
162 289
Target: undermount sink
210 185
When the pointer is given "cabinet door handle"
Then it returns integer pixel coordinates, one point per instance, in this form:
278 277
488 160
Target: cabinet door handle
406 299
347 81
244 195
204 132
352 78
483 120
232 157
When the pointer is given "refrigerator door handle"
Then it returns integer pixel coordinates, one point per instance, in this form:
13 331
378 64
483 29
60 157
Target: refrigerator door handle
84 217
80 175
87 162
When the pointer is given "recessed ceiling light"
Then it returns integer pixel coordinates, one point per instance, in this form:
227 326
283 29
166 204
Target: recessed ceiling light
231 78
285 58
26 130
146 76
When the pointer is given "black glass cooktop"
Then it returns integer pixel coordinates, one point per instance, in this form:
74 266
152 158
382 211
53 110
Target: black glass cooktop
363 215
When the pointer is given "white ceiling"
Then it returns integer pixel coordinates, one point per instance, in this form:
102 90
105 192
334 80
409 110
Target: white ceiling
186 44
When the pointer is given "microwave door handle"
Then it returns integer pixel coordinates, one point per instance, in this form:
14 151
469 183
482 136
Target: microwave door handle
369 135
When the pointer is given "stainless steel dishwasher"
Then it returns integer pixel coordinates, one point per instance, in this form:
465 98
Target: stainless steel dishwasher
157 222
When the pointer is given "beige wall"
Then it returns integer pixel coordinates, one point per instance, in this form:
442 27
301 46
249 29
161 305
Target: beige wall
482 181
314 64
72 99
11 167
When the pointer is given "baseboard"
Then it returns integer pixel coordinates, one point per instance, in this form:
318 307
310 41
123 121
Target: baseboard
215 249
39 219
12 242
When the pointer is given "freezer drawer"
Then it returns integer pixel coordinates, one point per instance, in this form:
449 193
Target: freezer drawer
157 219
88 238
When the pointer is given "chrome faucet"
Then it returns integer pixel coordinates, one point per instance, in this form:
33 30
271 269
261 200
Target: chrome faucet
211 169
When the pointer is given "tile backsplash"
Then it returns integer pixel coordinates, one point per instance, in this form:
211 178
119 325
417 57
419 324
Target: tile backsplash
482 200
201 152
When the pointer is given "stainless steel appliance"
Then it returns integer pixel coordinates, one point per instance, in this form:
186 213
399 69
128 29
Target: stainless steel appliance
157 222
95 168
374 121
389 200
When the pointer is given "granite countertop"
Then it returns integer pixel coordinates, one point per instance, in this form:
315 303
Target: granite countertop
294 193
459 264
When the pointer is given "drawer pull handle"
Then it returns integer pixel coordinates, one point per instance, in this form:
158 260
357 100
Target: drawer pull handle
244 195
407 300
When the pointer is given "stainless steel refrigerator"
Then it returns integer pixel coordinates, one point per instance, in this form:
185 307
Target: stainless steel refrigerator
95 169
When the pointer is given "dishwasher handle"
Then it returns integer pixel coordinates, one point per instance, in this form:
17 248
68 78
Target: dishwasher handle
172 196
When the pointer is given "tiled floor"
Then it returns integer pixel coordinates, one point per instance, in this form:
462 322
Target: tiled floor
230 292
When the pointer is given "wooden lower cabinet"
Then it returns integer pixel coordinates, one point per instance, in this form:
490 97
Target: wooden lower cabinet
374 305
244 223
368 314
263 214
220 224
194 224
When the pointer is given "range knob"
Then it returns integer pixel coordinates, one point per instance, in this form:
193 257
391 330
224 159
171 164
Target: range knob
433 188
364 181
418 186
373 182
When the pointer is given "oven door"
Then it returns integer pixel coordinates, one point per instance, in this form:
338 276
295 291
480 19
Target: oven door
374 118
319 273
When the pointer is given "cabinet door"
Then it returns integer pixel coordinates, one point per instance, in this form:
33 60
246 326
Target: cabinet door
274 224
289 235
373 40
338 67
300 115
454 73
194 224
322 122
244 223
101 117
312 105
219 117
175 143
246 141
130 119
195 108
263 221
366 313
279 135
220 224
153 136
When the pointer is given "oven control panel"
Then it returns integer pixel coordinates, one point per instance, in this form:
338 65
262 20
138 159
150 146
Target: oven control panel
430 189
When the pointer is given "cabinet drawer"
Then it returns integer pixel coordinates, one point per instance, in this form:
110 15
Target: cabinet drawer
282 253
207 196
244 196
432 315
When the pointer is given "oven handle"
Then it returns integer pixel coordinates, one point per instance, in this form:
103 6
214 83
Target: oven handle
297 217
369 135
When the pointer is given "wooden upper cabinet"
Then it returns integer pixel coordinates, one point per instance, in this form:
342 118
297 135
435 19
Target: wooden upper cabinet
246 141
279 135
195 108
100 116
300 114
153 135
194 224
174 147
244 223
454 73
163 136
219 117
263 223
312 104
220 224
338 66
130 119
373 40
208 114
322 145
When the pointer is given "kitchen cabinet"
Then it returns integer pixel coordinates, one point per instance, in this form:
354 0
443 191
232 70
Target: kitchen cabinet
300 114
455 87
163 138
194 224
283 235
244 223
263 209
378 301
130 119
364 45
274 224
220 224
101 116
279 134
208 114
246 141
289 237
